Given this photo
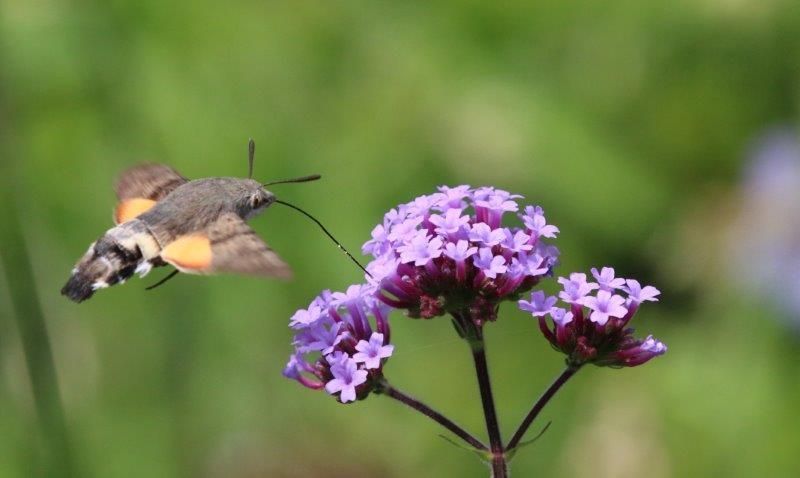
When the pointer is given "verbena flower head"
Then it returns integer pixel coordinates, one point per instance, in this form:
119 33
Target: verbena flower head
449 252
592 325
337 347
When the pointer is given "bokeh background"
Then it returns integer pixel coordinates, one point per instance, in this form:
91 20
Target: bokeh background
661 137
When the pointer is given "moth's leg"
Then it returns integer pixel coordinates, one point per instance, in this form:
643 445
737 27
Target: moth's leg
164 280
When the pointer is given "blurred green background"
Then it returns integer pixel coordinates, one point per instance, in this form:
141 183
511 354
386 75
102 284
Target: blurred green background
630 122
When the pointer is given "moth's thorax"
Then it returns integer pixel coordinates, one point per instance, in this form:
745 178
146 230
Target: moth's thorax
193 206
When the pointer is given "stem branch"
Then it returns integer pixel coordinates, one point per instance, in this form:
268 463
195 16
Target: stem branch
539 405
390 391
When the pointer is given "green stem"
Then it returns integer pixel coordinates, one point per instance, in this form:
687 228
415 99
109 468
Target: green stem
35 342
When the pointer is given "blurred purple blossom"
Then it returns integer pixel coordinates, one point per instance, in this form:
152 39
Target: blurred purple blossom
771 207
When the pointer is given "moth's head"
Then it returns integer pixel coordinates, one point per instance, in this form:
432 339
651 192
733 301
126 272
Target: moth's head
255 198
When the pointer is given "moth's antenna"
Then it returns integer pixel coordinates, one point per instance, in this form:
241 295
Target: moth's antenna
338 244
303 179
251 154
162 281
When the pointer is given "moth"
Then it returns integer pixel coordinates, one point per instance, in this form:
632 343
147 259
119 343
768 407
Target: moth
198 227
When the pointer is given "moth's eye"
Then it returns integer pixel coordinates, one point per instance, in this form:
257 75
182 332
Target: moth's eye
256 201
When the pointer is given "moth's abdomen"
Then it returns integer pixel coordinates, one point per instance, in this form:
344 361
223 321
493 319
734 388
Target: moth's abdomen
111 260
98 270
79 287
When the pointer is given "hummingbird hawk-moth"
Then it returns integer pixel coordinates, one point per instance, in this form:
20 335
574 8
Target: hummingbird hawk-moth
197 226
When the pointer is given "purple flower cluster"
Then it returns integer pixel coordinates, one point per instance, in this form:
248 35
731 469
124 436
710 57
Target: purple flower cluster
448 252
337 347
592 326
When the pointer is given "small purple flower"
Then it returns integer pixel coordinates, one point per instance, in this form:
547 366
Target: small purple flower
346 377
485 235
560 316
451 224
517 242
295 370
306 318
485 193
370 353
575 288
548 252
381 267
395 216
535 222
491 205
327 338
420 249
379 242
453 197
294 367
532 265
323 300
459 251
422 205
605 305
498 202
605 279
337 358
639 294
354 293
490 264
539 304
654 346
639 352
593 329
405 229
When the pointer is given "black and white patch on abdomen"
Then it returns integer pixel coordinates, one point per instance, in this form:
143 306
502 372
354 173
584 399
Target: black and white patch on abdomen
122 251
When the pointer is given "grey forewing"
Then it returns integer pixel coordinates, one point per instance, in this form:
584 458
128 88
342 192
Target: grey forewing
194 206
148 181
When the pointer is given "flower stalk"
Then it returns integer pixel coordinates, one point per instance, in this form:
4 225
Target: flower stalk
498 462
540 404
383 387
